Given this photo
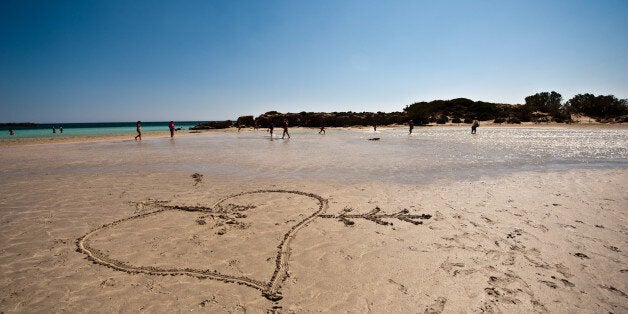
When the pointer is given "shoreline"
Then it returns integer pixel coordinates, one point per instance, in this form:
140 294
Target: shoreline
483 124
95 138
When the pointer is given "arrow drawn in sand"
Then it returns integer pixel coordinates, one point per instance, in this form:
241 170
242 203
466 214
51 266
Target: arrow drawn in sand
377 217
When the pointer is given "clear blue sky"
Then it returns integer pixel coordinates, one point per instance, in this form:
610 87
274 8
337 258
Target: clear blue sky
85 61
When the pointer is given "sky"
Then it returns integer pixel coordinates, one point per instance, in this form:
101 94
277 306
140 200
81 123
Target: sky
110 60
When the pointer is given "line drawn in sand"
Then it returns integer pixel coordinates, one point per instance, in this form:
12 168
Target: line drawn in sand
270 289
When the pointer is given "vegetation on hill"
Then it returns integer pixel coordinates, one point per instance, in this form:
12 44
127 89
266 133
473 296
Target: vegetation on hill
333 119
600 107
540 107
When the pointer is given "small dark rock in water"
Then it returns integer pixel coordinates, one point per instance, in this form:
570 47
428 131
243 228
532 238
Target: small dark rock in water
213 125
374 139
581 255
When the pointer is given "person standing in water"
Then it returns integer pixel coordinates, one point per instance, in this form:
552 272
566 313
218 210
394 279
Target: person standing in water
474 126
138 128
411 126
61 129
11 132
285 129
54 130
171 127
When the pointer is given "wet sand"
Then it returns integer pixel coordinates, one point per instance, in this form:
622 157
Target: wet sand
161 240
584 125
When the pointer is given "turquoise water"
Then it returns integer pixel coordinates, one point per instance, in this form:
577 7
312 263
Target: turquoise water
89 129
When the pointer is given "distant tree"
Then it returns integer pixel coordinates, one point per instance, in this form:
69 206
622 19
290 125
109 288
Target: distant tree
545 102
581 103
554 103
600 107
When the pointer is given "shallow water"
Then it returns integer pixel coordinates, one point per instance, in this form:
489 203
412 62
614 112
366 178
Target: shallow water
89 129
339 155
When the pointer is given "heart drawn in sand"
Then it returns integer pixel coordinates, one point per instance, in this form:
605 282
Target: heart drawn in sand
252 228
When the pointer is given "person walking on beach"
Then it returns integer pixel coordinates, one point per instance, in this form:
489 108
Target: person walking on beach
322 131
474 126
171 127
271 128
285 129
411 125
138 128
374 127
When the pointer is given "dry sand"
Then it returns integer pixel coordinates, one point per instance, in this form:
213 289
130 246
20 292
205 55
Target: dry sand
169 242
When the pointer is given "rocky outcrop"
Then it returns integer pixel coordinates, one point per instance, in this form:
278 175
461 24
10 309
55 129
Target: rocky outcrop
213 125
18 124
246 121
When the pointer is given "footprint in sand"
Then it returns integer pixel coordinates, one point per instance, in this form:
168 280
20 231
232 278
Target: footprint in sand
401 287
549 284
437 307
613 248
563 270
614 290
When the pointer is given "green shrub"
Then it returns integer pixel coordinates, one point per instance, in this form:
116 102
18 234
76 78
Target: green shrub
513 120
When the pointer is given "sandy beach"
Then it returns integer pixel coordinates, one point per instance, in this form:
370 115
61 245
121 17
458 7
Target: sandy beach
233 222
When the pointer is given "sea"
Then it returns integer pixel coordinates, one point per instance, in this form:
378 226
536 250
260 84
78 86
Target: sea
44 130
343 155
